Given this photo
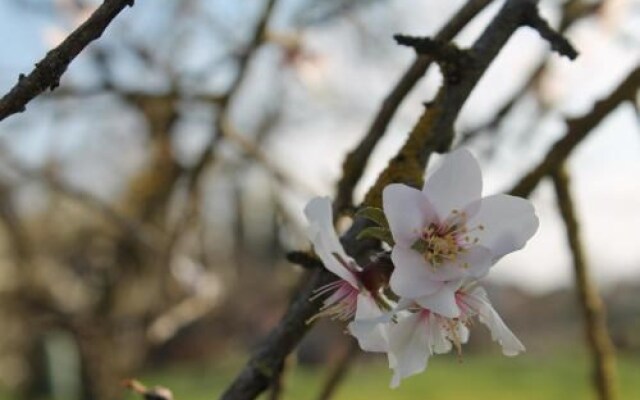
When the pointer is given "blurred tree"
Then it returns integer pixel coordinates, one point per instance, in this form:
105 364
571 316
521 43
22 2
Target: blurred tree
176 204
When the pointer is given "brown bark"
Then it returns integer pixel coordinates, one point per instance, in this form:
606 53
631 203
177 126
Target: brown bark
593 310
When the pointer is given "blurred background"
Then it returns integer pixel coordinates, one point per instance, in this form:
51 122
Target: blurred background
146 205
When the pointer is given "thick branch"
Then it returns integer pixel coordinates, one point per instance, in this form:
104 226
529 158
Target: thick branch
356 160
598 340
264 365
47 73
434 130
577 130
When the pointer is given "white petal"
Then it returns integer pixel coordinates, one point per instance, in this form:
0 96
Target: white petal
455 184
478 260
438 342
442 302
508 222
369 326
410 277
408 347
408 211
320 217
403 303
479 302
325 241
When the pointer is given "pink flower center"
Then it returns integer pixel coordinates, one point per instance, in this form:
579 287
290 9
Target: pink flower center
443 243
342 302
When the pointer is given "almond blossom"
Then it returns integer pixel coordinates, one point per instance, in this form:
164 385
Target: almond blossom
445 237
354 295
418 333
415 337
447 233
342 302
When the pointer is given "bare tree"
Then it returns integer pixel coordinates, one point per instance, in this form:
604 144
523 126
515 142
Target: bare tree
121 276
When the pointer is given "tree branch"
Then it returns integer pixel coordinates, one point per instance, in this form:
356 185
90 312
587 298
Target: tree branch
226 100
572 11
47 72
595 322
253 151
356 161
264 365
557 41
577 130
434 131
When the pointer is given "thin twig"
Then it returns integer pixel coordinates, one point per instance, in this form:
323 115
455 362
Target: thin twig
252 150
225 101
577 130
573 11
133 95
557 41
595 322
47 73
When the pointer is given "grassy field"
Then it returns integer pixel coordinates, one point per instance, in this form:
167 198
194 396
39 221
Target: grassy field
476 378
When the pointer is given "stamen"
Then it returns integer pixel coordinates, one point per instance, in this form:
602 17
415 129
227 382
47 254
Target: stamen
325 289
455 338
340 305
442 243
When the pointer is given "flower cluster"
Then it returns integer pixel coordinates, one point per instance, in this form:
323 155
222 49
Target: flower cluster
444 239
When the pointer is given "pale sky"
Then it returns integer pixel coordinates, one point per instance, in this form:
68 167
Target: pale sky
347 81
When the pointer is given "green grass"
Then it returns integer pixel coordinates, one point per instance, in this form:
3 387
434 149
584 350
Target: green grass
526 377
476 378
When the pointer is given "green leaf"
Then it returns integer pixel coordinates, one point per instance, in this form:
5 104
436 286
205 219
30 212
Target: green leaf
376 232
374 214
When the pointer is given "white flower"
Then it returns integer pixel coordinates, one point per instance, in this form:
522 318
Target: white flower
447 233
419 333
416 336
409 334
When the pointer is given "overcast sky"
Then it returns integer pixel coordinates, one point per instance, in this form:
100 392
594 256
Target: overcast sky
349 78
